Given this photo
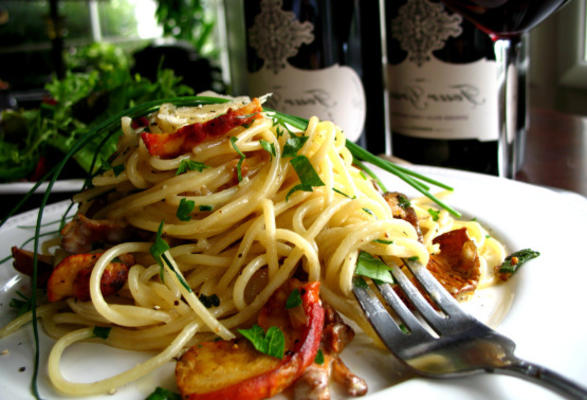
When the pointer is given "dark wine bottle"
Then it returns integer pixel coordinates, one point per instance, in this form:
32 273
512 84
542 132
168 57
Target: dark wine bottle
442 88
323 58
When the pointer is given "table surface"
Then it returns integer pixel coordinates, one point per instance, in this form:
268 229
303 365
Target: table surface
556 151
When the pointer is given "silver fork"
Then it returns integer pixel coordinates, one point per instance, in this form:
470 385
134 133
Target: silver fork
456 345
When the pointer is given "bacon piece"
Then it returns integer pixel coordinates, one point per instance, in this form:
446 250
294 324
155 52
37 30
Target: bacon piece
23 263
71 277
234 370
457 266
169 145
401 208
81 234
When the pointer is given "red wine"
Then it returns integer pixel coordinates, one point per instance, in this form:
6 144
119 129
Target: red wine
321 58
503 18
443 106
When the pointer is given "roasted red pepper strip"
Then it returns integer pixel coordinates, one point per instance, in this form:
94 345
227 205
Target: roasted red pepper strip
234 370
169 145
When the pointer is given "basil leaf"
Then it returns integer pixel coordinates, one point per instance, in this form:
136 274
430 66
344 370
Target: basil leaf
294 299
513 262
102 331
163 394
190 165
360 282
269 147
185 209
373 268
293 144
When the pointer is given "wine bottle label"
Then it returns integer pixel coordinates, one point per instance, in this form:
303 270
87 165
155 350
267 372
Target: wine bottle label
334 93
430 98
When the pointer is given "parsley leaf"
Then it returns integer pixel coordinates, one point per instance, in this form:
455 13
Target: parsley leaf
163 394
185 209
21 306
319 359
271 343
309 178
102 331
373 268
294 299
269 147
434 214
403 201
383 241
159 247
189 165
205 207
239 165
293 144
513 262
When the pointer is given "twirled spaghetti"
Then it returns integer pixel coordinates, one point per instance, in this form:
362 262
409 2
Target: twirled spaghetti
264 203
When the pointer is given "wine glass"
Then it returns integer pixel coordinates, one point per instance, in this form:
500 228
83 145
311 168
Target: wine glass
505 21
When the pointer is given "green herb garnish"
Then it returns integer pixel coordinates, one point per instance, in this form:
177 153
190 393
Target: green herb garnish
513 262
373 268
239 165
21 306
184 210
269 147
271 343
343 194
163 394
159 247
189 165
383 241
309 178
319 359
434 214
293 144
294 299
205 207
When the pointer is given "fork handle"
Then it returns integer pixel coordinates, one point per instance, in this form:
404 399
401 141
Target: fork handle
545 377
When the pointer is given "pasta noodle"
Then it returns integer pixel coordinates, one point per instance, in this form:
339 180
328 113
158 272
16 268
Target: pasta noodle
242 238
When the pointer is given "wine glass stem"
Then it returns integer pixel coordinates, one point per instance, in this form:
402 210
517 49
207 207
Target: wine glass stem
506 53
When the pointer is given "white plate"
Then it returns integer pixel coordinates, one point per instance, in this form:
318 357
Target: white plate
60 186
541 308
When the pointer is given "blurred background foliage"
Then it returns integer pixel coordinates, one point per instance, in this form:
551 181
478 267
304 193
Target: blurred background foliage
112 54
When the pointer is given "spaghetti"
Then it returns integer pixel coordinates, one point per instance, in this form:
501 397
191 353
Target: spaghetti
242 203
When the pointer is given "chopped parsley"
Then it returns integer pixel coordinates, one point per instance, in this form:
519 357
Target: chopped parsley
293 144
413 258
403 201
309 178
319 359
205 207
434 214
239 165
184 211
383 241
21 306
163 394
373 268
513 262
294 299
271 343
269 147
368 211
189 165
102 332
159 247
